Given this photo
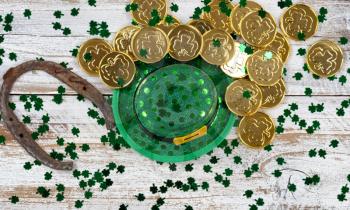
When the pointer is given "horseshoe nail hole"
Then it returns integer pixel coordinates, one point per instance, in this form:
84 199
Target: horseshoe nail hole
11 119
84 88
21 135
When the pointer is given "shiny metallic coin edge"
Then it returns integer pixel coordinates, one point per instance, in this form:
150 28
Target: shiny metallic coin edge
282 26
193 20
232 12
203 57
198 33
222 67
142 24
283 97
253 80
342 59
250 113
274 36
289 46
252 147
133 76
140 57
95 74
117 33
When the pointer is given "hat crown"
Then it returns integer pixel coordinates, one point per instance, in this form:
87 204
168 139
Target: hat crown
175 100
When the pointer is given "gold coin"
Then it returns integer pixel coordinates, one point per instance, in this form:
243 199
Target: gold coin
239 12
91 53
243 97
265 68
167 27
122 40
258 31
218 47
185 42
256 131
325 58
273 95
143 14
299 18
117 70
217 18
202 25
150 44
235 67
280 45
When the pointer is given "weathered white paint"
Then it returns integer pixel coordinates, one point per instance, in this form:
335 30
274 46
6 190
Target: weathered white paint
36 38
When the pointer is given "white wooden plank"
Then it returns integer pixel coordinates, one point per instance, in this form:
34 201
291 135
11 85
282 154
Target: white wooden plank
36 38
293 145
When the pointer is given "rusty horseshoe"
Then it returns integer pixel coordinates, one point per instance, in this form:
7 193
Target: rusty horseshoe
21 132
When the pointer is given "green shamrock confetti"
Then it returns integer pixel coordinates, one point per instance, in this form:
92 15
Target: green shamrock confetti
75 131
248 193
334 143
292 187
74 12
45 193
59 197
237 160
284 3
14 199
140 197
343 41
277 173
56 25
260 202
169 20
322 153
249 50
268 55
301 36
66 31
308 91
28 165
78 204
174 7
216 43
298 76
246 94
224 8
131 7
58 14
12 106
301 51
342 80
143 53
92 3
314 180
27 13
242 3
155 18
280 161
262 13
85 147
322 15
48 175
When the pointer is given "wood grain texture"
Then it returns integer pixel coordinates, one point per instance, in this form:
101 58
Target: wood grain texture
36 38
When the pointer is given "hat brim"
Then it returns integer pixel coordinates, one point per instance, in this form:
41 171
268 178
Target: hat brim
134 135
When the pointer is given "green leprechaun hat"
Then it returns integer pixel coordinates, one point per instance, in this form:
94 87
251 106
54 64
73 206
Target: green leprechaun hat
173 111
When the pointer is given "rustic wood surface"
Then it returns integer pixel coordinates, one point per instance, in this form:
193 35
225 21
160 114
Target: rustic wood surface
36 38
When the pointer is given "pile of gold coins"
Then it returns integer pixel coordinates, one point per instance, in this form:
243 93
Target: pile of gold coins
257 77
